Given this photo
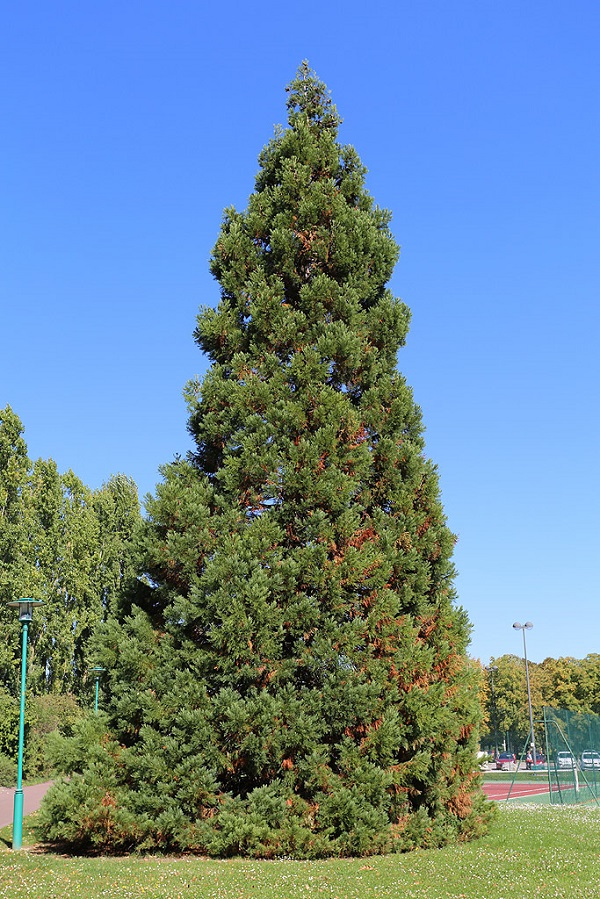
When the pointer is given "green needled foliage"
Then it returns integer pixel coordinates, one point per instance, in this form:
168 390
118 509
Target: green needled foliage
294 679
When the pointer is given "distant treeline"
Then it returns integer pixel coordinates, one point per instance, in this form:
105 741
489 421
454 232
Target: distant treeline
67 545
564 683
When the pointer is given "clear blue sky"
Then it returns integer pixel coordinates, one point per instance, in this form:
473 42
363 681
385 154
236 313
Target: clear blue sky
128 127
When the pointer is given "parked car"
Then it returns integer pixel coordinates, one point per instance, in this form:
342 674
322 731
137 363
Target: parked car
590 760
565 760
505 760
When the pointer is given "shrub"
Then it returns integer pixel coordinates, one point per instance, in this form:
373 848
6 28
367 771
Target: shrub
8 771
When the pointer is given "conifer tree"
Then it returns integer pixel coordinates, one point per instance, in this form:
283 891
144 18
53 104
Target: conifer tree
293 679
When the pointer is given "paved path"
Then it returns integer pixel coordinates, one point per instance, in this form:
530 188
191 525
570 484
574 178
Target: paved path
32 796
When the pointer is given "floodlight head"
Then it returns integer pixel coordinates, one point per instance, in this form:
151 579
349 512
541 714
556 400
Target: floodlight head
25 607
517 625
528 625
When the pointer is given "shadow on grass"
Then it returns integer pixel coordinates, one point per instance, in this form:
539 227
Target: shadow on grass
30 839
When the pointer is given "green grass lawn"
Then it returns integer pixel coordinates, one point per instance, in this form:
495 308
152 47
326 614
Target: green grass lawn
518 776
535 776
532 851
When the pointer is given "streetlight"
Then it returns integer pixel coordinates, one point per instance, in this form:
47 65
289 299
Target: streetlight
25 607
97 669
491 669
527 627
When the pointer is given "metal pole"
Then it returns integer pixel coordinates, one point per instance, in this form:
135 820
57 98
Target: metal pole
18 806
491 669
98 671
529 699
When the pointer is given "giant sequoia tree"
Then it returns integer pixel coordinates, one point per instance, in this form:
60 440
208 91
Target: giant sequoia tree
294 677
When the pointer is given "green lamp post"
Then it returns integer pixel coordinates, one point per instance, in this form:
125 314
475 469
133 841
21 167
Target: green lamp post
25 607
97 669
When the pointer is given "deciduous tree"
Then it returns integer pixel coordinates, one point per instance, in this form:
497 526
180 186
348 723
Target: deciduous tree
67 545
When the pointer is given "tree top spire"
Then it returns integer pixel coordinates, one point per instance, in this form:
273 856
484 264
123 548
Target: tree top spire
310 99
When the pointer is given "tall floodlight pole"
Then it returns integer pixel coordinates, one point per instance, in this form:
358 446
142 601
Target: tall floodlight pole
25 607
492 669
527 627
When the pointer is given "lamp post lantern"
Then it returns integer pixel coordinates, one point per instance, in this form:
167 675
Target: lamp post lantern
526 627
97 669
25 607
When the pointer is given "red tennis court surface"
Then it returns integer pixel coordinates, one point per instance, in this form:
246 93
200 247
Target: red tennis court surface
519 790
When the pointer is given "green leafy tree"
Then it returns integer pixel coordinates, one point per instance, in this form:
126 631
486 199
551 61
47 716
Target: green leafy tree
560 681
511 706
566 683
92 561
489 736
588 690
117 510
17 556
73 548
61 542
293 676
510 703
